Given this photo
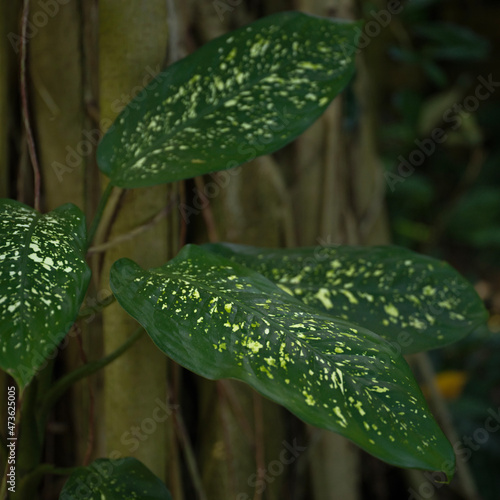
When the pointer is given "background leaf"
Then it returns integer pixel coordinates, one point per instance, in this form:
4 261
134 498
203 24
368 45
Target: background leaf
43 279
448 41
413 301
242 95
222 320
114 480
476 218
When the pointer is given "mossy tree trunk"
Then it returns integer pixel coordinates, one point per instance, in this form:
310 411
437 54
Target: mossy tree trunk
132 48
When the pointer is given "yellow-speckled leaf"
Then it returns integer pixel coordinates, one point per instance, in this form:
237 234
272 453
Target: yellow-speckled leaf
43 280
413 301
105 479
242 95
223 320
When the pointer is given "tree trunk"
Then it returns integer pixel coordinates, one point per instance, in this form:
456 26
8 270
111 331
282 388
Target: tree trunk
136 384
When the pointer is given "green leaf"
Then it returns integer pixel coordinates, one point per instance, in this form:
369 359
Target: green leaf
43 279
223 320
452 42
114 480
475 219
413 301
242 95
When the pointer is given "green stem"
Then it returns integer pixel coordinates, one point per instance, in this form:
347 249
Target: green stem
100 209
44 469
92 310
30 481
25 106
189 456
64 383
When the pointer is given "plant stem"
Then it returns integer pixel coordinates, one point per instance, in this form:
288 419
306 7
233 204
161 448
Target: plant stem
63 384
259 443
466 483
206 211
93 310
25 107
189 456
100 209
133 233
31 480
43 469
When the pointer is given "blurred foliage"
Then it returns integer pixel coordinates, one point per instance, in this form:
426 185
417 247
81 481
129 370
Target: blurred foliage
439 41
476 220
453 197
479 360
449 206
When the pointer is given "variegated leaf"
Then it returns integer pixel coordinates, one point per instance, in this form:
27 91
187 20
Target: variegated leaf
414 301
242 95
105 479
222 320
43 280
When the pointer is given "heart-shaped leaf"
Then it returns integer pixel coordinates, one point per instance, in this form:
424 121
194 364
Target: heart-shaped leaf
242 95
415 302
223 320
43 279
114 480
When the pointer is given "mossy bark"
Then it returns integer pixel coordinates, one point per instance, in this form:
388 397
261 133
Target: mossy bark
133 44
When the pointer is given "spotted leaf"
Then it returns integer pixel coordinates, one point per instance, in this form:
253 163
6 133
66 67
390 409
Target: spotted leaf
43 279
413 301
223 320
242 95
114 480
